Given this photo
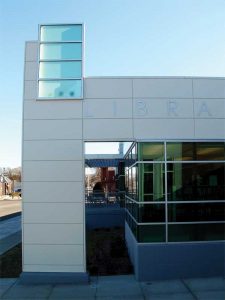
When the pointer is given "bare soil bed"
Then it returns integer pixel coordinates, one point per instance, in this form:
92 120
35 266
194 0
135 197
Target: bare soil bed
107 252
11 263
106 255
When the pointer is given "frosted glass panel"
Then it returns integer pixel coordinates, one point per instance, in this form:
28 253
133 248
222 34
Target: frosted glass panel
60 89
61 51
61 33
71 69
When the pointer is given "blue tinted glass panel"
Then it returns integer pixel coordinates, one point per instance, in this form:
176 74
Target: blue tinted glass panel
61 33
70 69
61 51
64 89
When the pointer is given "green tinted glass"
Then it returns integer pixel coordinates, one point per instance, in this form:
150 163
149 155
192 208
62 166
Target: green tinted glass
196 232
180 151
196 212
196 181
196 151
151 233
210 151
151 151
151 182
151 213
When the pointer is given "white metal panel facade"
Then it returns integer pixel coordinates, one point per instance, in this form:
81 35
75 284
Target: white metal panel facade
113 109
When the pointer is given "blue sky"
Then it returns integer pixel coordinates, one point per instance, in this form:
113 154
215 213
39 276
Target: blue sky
123 37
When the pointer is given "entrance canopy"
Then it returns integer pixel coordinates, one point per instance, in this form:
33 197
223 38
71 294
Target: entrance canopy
103 160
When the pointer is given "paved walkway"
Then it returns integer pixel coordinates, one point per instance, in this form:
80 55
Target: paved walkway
10 233
10 206
119 287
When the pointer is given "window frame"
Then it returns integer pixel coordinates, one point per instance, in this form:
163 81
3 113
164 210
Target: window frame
167 202
61 60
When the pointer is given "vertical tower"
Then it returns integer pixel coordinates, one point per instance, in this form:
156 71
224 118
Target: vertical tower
53 168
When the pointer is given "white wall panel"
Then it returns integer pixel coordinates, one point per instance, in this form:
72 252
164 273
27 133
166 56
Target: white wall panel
162 87
98 129
209 88
163 108
43 109
163 128
107 108
53 192
52 129
53 254
210 128
53 233
31 51
53 175
107 88
30 90
53 150
209 108
31 70
52 171
53 213
53 268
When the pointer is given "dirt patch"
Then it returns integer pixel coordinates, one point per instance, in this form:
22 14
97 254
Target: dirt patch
106 255
11 263
107 252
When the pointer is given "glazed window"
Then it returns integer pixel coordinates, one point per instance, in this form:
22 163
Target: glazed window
60 62
176 191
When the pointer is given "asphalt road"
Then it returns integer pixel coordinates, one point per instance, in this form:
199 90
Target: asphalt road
10 206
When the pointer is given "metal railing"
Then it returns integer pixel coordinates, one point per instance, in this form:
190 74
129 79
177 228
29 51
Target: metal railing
99 198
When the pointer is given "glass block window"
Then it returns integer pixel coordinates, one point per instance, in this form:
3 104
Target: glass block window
60 62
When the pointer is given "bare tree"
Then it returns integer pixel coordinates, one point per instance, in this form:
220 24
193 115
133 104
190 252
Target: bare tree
92 179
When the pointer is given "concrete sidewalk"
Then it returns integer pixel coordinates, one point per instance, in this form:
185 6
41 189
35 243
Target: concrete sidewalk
119 287
10 206
10 233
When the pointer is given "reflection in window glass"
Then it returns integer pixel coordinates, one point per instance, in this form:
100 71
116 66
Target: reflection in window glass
61 33
195 151
180 151
149 213
210 151
60 70
151 151
199 181
200 185
134 153
132 224
132 207
131 157
61 51
151 182
196 212
132 182
196 232
60 89
151 233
